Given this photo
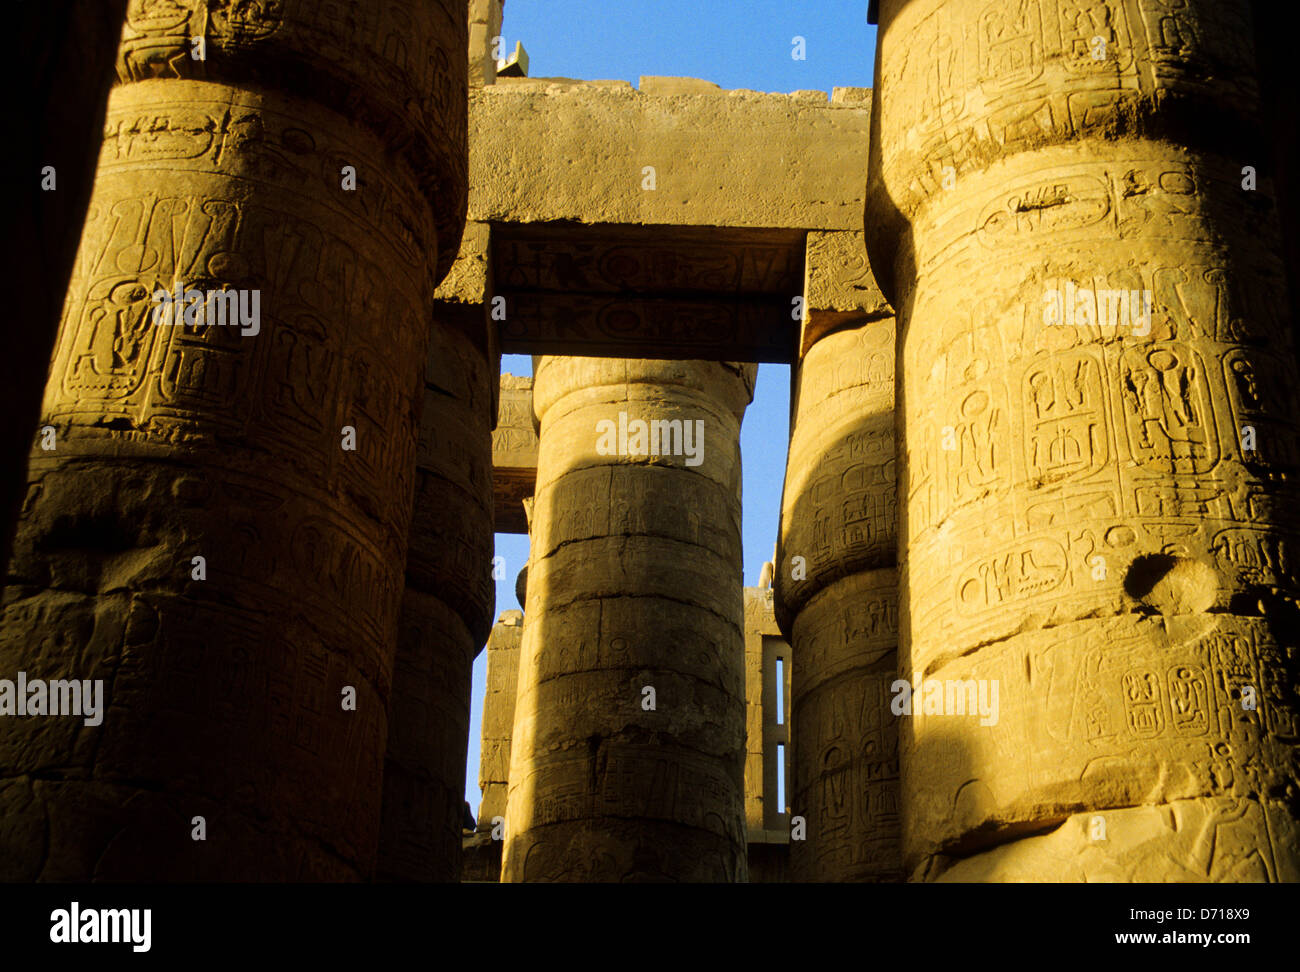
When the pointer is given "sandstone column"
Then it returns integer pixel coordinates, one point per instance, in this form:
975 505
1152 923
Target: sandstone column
1098 515
483 853
230 145
499 715
446 611
836 594
69 46
767 737
628 747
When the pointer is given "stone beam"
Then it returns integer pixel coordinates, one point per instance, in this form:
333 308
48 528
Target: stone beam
631 291
617 244
717 158
584 325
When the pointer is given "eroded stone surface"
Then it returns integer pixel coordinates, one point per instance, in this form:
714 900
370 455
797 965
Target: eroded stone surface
633 585
836 591
1086 524
223 693
499 715
444 619
784 162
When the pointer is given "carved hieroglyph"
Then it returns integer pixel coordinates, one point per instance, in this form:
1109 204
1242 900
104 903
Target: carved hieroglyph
628 746
836 597
1098 514
226 688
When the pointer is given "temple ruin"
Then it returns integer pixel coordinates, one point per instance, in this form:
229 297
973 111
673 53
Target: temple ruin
1032 609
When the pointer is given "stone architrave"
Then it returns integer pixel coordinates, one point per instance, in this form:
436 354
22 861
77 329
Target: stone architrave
628 748
248 688
836 595
1098 393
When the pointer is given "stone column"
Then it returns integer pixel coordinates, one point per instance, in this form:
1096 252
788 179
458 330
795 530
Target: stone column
628 747
445 616
1100 525
483 852
767 737
70 47
836 594
249 688
499 715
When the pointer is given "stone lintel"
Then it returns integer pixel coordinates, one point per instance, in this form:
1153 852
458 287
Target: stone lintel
652 292
603 326
719 158
716 261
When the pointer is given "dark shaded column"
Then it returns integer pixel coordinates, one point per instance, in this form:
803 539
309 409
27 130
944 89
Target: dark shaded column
67 47
445 618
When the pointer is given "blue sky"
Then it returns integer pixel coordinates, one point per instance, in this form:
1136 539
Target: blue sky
736 44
